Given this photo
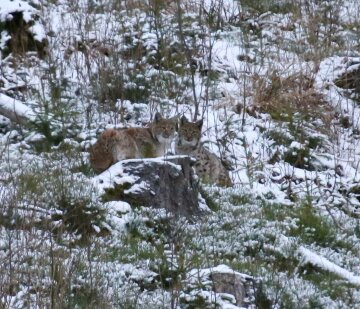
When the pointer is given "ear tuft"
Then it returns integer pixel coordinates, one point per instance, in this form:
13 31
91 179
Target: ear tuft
158 117
183 120
199 123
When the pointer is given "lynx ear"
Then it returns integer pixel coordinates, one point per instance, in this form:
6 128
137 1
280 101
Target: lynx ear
183 120
199 123
158 117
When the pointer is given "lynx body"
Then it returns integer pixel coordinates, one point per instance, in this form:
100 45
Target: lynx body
116 145
208 166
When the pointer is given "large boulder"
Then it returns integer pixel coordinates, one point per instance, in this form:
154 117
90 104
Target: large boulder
167 183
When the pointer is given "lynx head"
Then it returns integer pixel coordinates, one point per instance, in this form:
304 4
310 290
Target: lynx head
189 132
163 130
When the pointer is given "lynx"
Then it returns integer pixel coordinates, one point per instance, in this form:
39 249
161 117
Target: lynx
116 145
208 166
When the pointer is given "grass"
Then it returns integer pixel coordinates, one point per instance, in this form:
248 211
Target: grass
302 224
239 199
274 211
262 6
242 231
313 228
328 282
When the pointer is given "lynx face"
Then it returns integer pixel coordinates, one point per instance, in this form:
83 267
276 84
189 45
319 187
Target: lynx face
189 133
208 166
163 130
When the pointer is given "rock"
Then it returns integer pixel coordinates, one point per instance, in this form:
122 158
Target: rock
350 78
232 289
239 285
167 183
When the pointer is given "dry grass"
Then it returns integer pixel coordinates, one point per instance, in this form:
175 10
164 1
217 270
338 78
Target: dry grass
282 98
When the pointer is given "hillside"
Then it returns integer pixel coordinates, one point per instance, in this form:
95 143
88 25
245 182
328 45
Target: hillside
277 84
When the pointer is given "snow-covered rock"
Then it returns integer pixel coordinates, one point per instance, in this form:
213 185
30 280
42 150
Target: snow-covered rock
167 183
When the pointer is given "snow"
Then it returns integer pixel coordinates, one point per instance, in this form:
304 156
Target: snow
17 107
9 6
118 206
138 188
201 277
114 175
296 145
237 136
314 259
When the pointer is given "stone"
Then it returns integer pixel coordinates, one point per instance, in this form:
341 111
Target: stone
222 287
241 286
168 183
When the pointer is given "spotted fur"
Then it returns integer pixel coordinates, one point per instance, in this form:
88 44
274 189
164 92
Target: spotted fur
116 145
208 166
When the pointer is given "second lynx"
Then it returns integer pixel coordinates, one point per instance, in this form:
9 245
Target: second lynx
208 166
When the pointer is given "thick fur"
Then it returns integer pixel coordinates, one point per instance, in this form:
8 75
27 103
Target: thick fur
208 166
116 145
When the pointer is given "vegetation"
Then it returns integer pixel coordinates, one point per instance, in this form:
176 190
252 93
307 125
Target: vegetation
277 85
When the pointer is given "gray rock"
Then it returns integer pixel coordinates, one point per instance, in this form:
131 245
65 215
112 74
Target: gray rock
241 286
167 183
220 287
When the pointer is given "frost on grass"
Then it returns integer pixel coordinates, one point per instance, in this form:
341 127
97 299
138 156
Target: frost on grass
265 78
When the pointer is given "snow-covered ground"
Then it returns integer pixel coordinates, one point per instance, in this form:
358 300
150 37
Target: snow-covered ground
265 84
